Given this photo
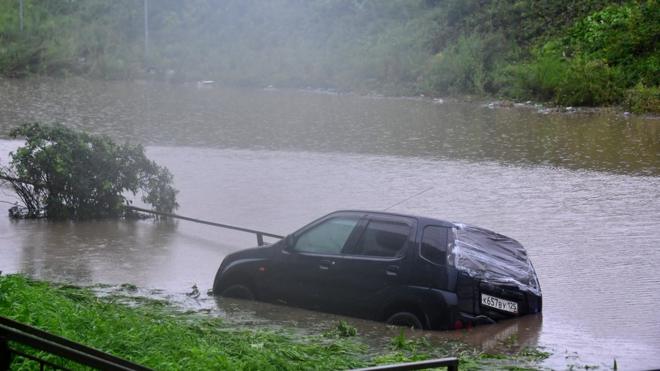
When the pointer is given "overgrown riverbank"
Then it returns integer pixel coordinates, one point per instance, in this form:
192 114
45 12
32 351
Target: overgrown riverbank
579 52
156 334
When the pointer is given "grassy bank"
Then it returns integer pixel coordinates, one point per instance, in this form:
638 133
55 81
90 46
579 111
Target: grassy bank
578 52
155 334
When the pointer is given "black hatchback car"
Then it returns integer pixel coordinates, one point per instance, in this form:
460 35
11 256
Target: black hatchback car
405 270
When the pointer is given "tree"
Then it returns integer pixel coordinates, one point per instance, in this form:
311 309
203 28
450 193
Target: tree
64 173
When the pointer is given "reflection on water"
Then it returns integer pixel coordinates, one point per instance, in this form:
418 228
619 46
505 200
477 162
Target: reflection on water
90 251
506 336
273 161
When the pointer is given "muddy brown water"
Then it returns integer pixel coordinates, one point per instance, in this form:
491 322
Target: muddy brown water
580 190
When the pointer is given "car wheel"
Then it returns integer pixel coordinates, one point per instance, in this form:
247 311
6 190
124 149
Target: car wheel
238 292
405 319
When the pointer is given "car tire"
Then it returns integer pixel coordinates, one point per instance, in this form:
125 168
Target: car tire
405 319
238 292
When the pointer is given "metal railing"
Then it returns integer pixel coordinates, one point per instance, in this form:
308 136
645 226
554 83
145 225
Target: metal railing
450 363
16 332
260 234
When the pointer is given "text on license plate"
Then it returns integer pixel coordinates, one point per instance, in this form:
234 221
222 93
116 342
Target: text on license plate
501 304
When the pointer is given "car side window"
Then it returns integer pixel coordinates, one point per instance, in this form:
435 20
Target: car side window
383 238
328 237
434 244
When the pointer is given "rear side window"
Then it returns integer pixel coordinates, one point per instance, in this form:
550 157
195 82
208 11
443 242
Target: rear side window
328 237
434 244
383 238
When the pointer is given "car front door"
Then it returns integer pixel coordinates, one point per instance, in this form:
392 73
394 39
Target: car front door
300 271
363 277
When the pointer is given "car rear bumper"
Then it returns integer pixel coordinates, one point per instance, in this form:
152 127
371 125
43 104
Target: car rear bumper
471 311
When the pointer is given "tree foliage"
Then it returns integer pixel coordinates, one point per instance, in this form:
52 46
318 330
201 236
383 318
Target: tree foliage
71 174
434 47
606 57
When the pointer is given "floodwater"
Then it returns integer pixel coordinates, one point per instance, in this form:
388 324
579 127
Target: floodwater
580 190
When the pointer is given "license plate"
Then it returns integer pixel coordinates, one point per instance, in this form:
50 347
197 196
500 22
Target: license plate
501 304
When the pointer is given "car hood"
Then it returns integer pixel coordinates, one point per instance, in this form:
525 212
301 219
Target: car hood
493 258
253 253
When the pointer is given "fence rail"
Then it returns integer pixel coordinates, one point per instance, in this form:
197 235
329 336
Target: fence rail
450 363
16 332
260 234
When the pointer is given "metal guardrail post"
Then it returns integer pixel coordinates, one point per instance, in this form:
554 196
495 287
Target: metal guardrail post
5 354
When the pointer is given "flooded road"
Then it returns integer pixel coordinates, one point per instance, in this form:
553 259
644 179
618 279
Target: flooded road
580 191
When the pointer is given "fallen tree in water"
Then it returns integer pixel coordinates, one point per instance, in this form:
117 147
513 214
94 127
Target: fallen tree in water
63 173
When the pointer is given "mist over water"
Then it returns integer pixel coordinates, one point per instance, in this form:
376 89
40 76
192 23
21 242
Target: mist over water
580 191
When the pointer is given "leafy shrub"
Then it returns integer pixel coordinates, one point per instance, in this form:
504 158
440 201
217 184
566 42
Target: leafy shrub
539 78
599 57
625 35
576 81
642 98
465 66
589 83
70 174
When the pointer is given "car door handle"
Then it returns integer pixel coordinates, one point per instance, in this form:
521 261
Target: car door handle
392 270
326 264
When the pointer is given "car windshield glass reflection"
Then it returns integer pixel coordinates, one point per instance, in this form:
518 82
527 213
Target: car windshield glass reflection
328 237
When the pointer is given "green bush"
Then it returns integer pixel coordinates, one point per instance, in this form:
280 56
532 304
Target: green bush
642 98
589 83
465 66
71 174
595 62
573 82
621 35
538 79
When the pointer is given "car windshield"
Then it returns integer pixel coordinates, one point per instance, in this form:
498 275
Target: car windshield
493 258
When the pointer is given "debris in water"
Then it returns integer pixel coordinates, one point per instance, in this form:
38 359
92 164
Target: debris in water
194 293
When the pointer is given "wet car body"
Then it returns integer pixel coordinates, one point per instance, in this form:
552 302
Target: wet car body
405 270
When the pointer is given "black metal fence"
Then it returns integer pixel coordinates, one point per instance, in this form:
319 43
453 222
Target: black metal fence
13 333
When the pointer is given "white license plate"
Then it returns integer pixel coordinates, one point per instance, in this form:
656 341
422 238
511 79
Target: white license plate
501 304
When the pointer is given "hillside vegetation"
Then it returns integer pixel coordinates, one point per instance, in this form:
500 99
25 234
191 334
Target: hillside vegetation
573 52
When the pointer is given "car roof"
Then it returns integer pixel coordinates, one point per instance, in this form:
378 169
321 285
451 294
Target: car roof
420 219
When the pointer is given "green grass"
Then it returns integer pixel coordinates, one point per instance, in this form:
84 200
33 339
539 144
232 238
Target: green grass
155 334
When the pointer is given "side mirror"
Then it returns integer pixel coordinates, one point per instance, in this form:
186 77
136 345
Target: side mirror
289 242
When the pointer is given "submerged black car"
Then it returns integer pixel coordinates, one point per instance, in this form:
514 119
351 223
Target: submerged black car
405 270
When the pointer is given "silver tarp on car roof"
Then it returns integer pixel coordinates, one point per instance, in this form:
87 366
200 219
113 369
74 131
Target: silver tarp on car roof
493 258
